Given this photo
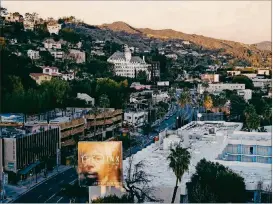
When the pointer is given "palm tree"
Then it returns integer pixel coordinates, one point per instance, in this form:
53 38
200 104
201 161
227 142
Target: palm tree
179 162
105 103
184 99
267 113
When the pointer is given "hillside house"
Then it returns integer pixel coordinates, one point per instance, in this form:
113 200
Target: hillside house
33 54
57 54
52 44
40 77
68 76
77 55
88 99
54 27
52 71
29 25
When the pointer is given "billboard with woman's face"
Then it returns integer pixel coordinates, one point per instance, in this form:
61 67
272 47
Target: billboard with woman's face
100 163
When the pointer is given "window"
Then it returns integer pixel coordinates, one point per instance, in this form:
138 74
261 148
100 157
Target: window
251 150
47 70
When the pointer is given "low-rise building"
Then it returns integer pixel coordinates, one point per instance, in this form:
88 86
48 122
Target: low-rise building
219 87
212 78
137 86
13 17
245 93
33 54
250 76
29 25
136 119
233 73
52 71
40 77
263 72
88 99
77 55
262 83
248 154
162 96
57 54
52 44
68 76
172 56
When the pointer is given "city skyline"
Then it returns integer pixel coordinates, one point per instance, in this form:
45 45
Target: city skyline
217 20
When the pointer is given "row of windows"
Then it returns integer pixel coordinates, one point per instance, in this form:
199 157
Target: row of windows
36 146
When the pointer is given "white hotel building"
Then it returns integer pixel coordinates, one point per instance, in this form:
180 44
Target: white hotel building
127 65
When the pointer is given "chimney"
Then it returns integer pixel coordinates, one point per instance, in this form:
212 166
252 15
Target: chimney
143 58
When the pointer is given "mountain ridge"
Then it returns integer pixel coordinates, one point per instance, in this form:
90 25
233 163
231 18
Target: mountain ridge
239 50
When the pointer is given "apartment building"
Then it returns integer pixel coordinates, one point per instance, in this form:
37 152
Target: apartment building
155 71
137 119
245 93
213 88
23 150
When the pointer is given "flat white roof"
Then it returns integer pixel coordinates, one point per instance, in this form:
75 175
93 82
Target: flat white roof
156 163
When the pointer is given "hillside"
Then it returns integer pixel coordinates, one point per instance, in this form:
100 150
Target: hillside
265 45
239 50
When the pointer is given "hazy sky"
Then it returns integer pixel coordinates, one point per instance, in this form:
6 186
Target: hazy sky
243 21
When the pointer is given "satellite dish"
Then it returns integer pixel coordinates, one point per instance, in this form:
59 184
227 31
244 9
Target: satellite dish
199 115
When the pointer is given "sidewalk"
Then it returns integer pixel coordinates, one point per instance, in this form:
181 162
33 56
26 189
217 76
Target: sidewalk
13 192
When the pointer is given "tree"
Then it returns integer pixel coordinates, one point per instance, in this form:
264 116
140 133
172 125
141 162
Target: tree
267 113
95 112
105 103
238 105
142 77
179 162
252 118
205 85
243 80
208 103
184 98
137 183
212 181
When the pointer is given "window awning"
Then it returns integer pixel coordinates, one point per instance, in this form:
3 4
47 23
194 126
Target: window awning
28 168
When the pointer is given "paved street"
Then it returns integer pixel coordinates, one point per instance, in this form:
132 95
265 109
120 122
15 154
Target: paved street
47 191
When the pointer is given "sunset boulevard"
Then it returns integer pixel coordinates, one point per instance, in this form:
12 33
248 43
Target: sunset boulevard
43 190
47 192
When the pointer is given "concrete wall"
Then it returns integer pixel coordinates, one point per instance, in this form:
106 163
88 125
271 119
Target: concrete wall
9 154
1 154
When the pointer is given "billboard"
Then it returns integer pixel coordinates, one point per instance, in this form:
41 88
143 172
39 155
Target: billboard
100 163
162 83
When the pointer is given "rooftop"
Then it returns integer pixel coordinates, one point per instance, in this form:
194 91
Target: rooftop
204 140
